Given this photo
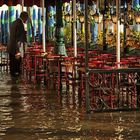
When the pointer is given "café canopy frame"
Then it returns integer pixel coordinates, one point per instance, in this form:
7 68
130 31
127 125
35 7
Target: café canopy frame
29 3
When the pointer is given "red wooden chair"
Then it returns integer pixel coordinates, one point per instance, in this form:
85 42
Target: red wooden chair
54 69
34 64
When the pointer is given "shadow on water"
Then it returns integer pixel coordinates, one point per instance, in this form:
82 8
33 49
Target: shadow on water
35 113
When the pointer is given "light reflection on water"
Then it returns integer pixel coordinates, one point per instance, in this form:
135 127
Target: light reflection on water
34 113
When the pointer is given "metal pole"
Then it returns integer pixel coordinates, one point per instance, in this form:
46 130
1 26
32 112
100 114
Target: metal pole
104 26
59 31
118 32
124 29
22 5
43 26
74 28
47 27
86 58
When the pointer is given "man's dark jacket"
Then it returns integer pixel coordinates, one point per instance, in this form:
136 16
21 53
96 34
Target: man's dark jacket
17 34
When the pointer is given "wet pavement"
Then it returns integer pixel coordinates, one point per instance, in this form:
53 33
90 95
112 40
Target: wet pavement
30 112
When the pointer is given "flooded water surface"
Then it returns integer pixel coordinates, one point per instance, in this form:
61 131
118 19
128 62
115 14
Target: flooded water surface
35 113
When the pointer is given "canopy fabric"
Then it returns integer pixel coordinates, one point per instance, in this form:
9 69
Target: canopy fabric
15 2
35 2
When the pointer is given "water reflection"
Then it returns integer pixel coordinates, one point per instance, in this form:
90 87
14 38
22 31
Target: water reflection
8 104
33 113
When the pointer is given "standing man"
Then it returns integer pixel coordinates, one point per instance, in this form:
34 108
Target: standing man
17 40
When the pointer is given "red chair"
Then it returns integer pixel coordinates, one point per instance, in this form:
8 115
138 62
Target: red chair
69 72
34 64
134 61
126 86
54 69
4 58
96 64
40 70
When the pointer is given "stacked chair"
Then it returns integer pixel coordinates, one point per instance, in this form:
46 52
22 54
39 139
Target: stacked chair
110 85
4 59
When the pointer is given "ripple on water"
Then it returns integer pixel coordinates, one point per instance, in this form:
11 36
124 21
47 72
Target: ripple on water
32 113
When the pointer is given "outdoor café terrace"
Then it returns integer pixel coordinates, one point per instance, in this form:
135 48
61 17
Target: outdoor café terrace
88 47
